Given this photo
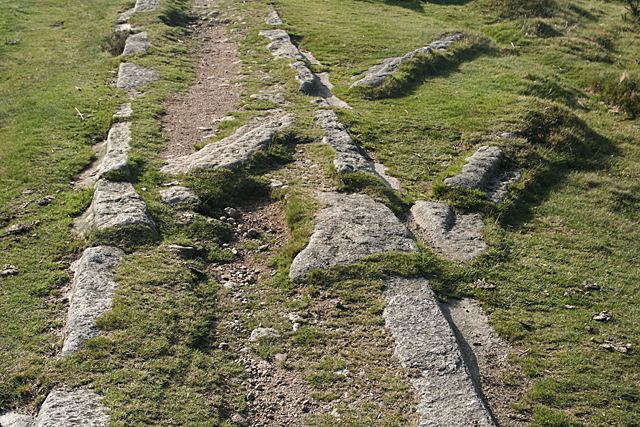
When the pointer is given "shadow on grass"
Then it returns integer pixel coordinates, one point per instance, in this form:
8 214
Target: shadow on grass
176 14
561 143
423 67
418 5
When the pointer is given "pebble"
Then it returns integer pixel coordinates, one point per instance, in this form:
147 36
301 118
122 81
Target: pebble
232 212
8 270
259 333
603 316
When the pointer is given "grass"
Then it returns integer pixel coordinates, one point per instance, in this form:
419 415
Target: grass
572 219
157 362
52 64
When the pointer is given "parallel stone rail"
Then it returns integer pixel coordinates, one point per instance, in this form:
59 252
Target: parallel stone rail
116 205
116 159
311 84
349 157
484 171
234 150
137 43
458 236
62 408
377 74
132 77
92 294
349 228
427 348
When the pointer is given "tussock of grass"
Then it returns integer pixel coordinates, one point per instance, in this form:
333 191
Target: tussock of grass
424 66
362 182
525 8
622 91
222 188
114 42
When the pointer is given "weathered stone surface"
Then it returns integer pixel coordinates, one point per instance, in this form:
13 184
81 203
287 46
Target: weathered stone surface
349 157
132 77
426 346
258 333
13 419
116 158
457 236
324 90
478 169
309 58
179 195
281 45
482 171
348 229
124 16
234 150
276 98
116 205
120 28
78 408
91 295
377 74
124 111
498 188
309 82
274 18
146 5
137 43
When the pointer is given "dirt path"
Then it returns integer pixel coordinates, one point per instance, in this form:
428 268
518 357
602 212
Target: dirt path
274 395
193 115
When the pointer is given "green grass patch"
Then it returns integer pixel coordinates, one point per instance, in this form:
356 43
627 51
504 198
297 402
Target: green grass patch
158 361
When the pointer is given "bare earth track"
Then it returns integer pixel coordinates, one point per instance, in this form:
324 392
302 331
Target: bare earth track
193 115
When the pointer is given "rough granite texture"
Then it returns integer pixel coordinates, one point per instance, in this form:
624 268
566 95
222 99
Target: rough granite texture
349 157
281 45
124 111
377 74
116 205
13 419
234 150
274 18
309 82
78 408
457 236
137 43
91 294
179 196
349 228
426 347
482 171
146 5
132 77
116 158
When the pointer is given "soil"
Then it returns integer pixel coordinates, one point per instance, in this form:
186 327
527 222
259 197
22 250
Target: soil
193 115
275 395
486 355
